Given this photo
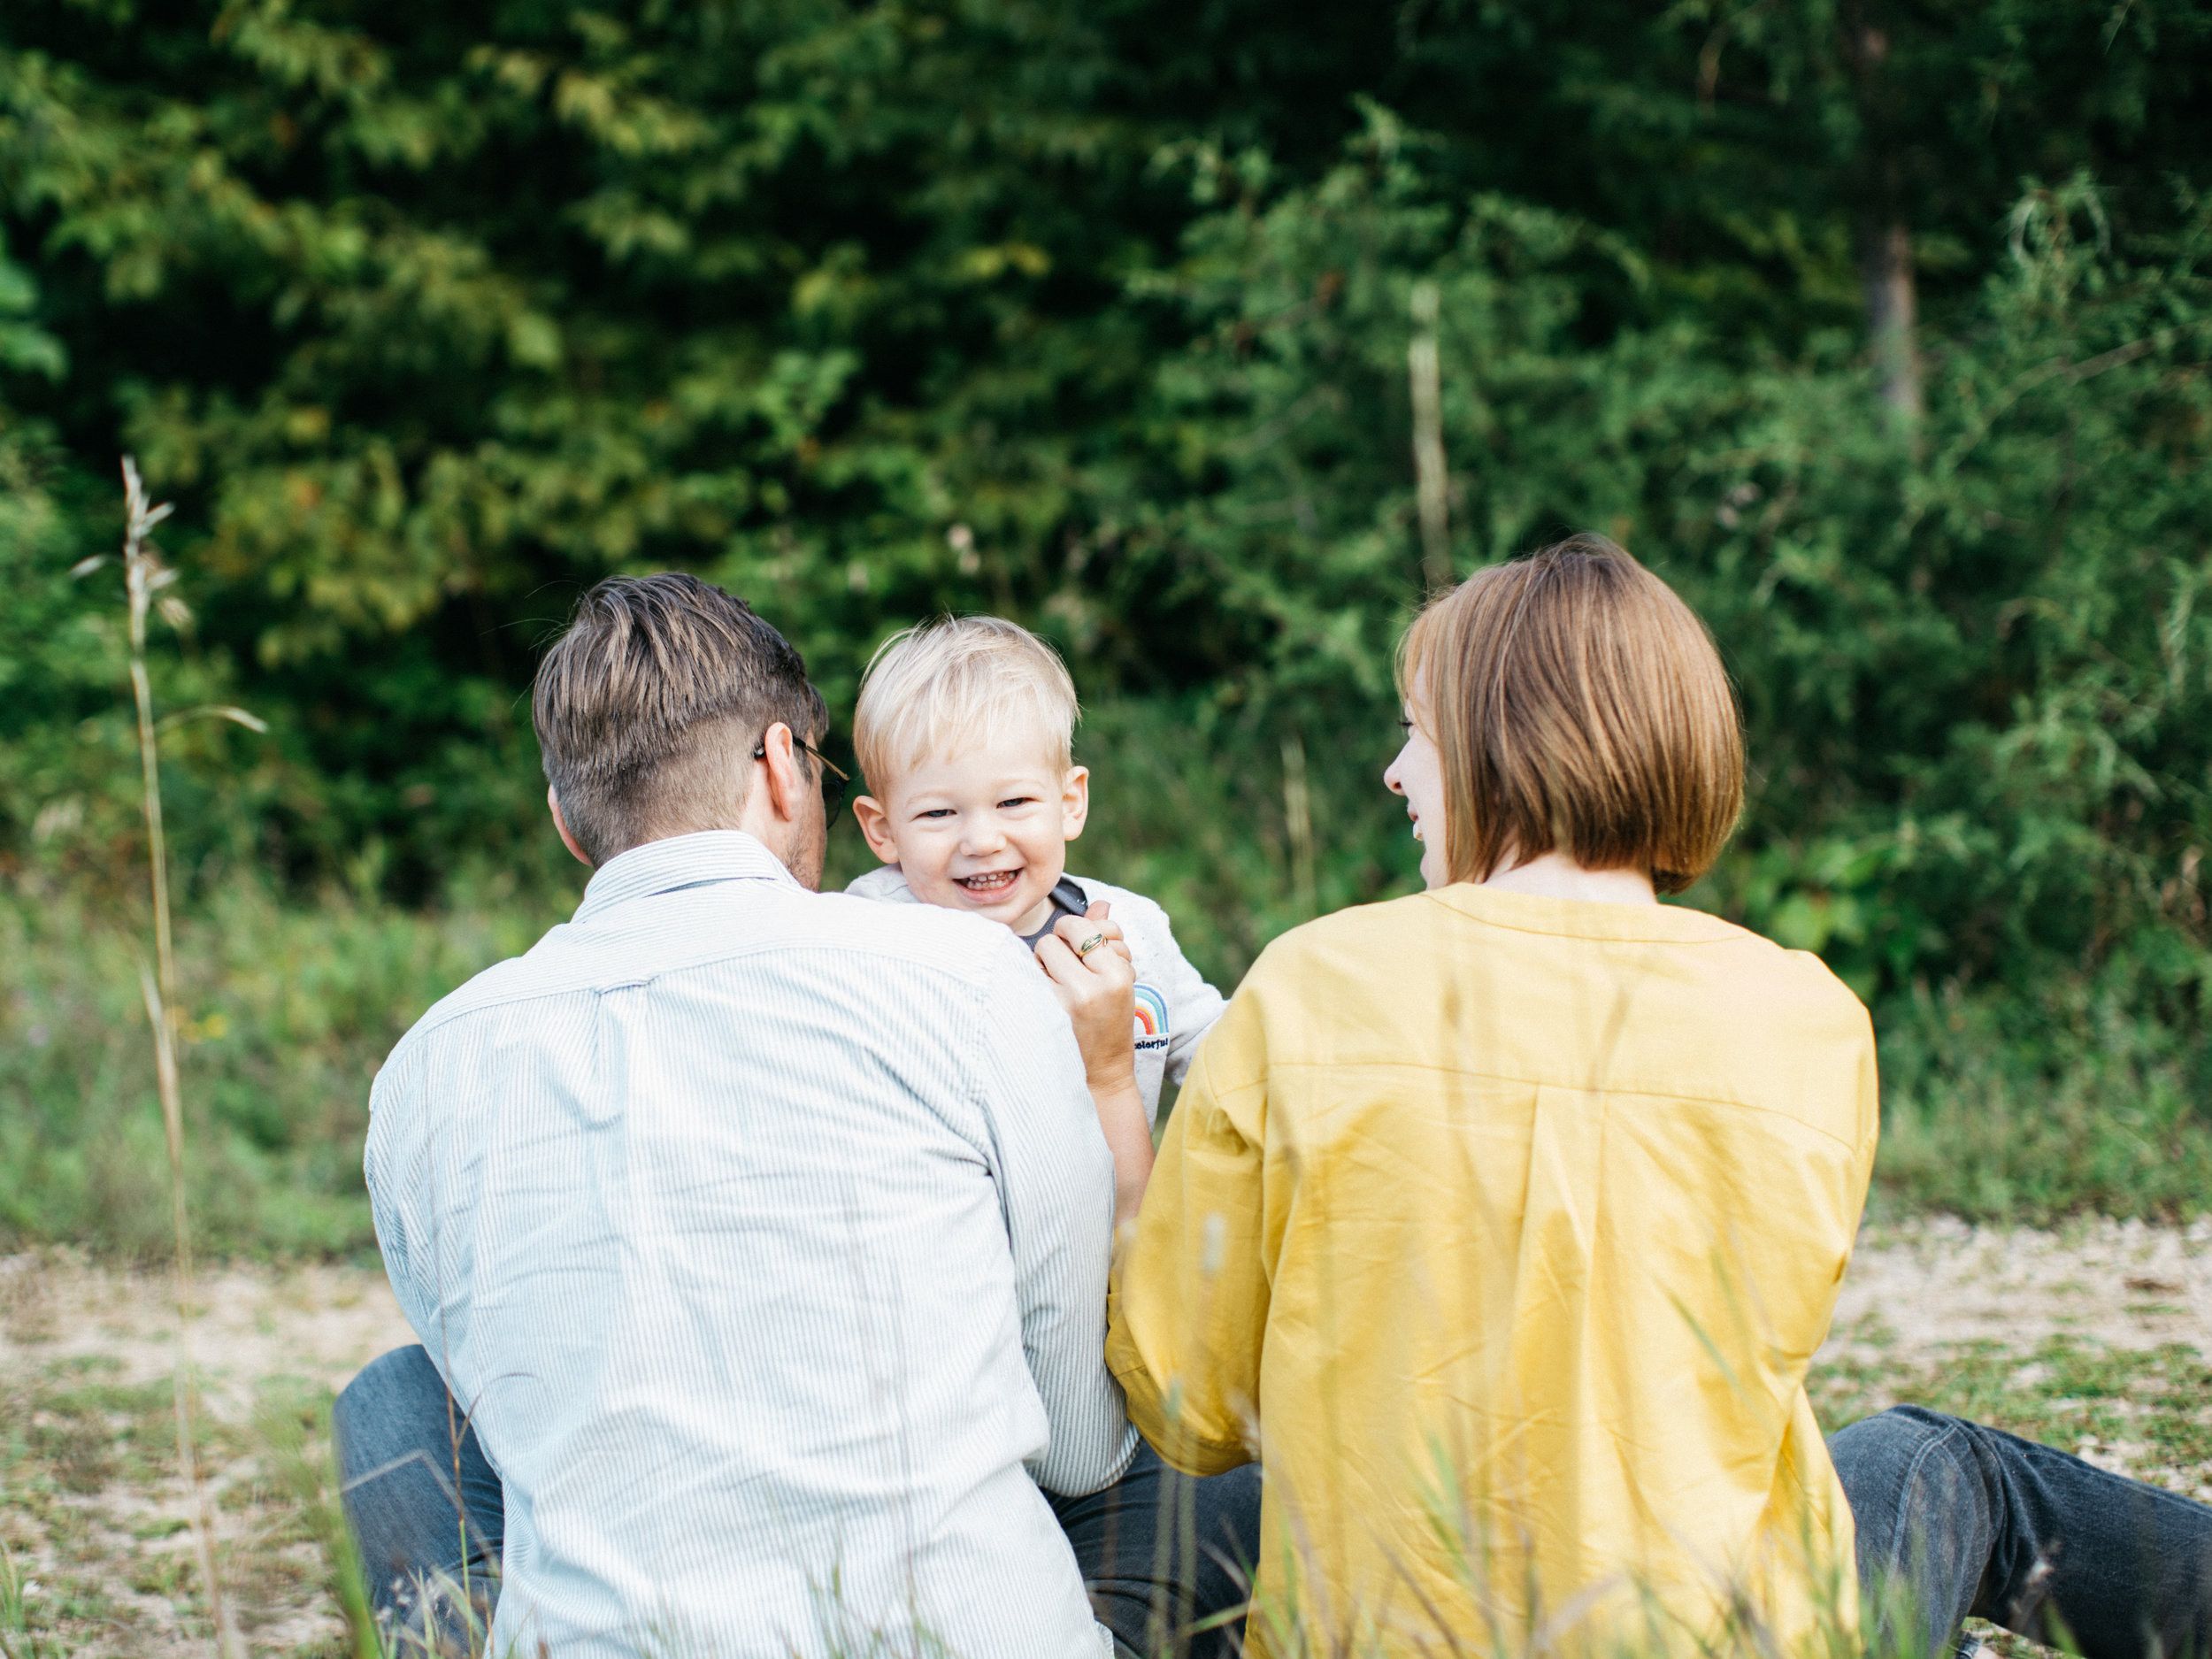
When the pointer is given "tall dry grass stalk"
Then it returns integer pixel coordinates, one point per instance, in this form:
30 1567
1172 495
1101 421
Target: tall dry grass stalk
145 581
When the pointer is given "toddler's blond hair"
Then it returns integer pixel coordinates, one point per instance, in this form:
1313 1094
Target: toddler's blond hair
958 683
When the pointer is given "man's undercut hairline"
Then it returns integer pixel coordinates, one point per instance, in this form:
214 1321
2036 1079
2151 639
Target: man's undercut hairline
648 708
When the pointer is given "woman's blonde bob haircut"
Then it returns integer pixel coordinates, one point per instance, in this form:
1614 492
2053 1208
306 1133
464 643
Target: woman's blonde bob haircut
1579 706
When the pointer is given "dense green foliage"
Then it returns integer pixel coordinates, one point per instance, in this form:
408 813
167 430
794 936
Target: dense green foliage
1099 315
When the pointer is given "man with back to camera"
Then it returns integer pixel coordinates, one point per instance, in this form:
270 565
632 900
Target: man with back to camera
761 1235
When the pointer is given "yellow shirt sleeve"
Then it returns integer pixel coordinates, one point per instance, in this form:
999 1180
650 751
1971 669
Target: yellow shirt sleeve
1189 1300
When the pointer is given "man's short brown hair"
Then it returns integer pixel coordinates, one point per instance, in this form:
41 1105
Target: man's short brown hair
648 708
1579 705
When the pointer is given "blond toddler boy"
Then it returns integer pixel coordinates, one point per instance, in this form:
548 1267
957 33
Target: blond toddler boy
964 730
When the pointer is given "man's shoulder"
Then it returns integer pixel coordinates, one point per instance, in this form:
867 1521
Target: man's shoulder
885 883
717 927
967 947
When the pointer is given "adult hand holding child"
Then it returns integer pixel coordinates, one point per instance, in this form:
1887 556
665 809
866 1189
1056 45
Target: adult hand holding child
1095 978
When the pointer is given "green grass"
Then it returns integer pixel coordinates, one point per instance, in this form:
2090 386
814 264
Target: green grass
71 1436
290 1010
1992 1110
2070 1392
2003 1108
91 1522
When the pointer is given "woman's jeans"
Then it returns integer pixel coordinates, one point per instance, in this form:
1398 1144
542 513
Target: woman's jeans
1953 1519
1159 1552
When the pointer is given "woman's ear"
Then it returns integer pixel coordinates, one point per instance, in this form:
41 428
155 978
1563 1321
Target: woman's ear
1075 802
875 824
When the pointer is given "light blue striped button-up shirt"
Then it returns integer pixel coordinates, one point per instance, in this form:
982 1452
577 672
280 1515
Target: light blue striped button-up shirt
764 1235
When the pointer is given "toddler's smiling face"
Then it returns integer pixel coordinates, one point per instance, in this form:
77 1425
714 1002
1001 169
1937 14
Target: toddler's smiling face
985 832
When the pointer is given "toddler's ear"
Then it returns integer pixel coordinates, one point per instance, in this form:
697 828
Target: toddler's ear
875 824
1075 802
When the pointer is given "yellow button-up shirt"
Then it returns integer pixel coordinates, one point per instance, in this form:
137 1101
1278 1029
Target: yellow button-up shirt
1502 1230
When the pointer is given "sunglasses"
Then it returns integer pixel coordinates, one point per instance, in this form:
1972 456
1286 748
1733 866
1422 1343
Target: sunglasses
834 780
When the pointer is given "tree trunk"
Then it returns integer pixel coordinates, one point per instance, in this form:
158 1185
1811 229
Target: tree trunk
1885 270
1427 395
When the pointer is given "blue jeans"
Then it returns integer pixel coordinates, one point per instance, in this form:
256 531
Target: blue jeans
1159 1551
1962 1519
1971 1520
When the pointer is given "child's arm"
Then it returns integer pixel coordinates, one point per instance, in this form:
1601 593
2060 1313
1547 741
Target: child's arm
1098 988
1190 1005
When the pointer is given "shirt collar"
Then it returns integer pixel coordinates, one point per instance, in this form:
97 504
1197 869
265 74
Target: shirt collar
679 861
1584 918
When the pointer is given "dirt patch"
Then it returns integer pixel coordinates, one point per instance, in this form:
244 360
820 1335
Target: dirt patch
2096 1337
316 1323
1938 1283
93 1513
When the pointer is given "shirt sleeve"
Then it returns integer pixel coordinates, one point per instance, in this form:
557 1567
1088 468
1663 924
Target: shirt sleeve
1055 1179
391 1161
1190 1302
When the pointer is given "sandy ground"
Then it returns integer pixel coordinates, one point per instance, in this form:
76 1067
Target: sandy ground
315 1324
1918 1293
1912 1292
1941 1282
258 1334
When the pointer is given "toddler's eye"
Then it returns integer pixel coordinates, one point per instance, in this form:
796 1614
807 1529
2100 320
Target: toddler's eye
935 811
1019 799
1405 725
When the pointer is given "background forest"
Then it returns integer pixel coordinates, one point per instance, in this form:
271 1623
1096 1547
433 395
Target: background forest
1881 329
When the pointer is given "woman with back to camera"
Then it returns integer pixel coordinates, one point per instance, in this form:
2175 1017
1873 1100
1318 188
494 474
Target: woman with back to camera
1500 1222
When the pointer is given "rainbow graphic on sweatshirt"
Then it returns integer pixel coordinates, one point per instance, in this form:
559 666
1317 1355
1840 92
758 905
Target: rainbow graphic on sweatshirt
1151 1013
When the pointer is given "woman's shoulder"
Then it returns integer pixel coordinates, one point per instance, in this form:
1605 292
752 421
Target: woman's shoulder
1384 953
1765 974
1356 944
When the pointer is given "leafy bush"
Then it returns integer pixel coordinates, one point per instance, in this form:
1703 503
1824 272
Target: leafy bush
1976 672
429 317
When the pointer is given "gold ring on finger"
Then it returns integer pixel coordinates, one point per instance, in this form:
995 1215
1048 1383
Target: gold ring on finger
1089 945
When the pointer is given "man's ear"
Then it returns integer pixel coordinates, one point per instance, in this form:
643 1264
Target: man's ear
778 796
1075 802
875 824
568 841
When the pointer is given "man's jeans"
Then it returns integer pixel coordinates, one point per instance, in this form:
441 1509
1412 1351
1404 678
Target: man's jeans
1160 1552
1954 1520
